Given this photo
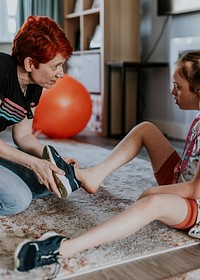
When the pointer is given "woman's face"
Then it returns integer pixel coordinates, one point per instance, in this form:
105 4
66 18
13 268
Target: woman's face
183 96
48 73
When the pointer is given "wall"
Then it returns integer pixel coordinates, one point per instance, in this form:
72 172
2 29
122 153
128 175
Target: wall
159 106
5 47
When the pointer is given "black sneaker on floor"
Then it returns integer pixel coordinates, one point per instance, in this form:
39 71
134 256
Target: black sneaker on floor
68 183
33 254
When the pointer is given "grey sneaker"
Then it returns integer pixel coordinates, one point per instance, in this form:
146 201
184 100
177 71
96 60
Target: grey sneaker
43 251
68 183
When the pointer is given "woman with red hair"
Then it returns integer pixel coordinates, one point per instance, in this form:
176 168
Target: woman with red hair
40 49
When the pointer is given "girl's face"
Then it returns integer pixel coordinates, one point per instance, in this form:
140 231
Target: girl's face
48 73
183 96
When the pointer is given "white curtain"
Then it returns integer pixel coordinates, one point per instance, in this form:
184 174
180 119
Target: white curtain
10 22
9 15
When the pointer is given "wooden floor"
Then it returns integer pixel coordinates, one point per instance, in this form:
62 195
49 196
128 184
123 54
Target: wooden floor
160 266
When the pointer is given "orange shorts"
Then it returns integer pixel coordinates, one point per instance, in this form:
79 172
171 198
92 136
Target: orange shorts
164 176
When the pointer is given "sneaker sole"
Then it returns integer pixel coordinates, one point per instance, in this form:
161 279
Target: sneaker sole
20 245
61 181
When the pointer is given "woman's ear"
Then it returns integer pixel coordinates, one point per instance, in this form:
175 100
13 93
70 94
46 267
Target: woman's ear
28 64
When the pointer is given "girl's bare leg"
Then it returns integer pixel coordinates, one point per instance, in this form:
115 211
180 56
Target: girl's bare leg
169 209
143 135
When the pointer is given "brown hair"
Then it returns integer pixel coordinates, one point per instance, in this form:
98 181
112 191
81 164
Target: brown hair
40 38
189 68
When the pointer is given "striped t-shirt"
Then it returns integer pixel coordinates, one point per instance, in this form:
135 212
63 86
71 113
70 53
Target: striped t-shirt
14 106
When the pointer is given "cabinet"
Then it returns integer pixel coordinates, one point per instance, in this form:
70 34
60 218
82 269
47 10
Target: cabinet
101 31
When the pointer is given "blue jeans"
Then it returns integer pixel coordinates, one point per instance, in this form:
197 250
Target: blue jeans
18 186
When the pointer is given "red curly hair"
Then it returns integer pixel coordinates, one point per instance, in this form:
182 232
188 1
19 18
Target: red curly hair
40 38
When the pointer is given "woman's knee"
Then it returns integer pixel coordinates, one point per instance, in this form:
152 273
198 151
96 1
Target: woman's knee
14 203
15 195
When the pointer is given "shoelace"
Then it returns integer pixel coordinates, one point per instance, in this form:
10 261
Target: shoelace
195 231
58 266
197 228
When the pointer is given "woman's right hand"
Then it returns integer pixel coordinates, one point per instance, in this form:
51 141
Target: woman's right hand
43 170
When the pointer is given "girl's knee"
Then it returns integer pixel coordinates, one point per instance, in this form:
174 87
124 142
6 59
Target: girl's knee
148 125
163 207
154 203
145 127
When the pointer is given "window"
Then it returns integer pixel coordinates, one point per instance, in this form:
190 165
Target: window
9 19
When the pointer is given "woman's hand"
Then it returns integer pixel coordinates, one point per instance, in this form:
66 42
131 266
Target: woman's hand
43 170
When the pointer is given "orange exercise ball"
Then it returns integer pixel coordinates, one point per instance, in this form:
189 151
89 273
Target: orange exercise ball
64 110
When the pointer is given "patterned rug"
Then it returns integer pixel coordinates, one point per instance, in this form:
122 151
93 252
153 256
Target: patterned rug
80 212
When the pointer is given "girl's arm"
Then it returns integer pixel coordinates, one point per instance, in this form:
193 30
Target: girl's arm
190 189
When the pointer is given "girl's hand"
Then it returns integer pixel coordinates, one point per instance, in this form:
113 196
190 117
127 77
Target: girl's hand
72 161
147 192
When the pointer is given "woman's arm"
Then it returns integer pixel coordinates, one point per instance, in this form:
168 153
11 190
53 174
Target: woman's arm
29 155
24 138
